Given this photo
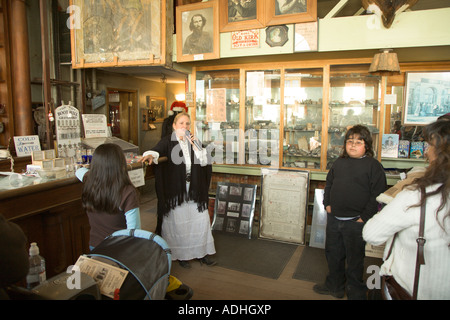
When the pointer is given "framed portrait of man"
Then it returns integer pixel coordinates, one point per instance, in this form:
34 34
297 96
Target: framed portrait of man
289 11
237 15
198 31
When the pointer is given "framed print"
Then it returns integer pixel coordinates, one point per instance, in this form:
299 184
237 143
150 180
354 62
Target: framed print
289 11
276 36
157 107
239 15
427 96
305 36
234 208
198 31
110 33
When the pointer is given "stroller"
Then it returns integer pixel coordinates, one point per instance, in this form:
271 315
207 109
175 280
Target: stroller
147 258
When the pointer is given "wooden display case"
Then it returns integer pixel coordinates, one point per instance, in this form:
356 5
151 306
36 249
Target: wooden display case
285 115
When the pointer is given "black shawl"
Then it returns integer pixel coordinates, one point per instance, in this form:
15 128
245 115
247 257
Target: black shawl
170 179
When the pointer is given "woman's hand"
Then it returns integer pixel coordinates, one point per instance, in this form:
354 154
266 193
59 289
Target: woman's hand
191 139
147 158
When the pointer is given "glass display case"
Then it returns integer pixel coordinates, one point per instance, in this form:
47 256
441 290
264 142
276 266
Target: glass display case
217 113
262 117
303 110
354 99
287 117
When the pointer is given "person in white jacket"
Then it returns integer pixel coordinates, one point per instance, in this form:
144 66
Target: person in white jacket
402 214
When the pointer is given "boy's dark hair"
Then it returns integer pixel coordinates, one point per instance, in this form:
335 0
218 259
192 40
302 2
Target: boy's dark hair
364 134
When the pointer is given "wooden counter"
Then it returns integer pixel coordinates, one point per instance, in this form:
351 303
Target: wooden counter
50 213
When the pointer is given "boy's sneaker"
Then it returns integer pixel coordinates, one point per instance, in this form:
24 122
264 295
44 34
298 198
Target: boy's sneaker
323 289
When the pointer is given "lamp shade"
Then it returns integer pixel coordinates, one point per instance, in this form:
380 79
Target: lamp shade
385 64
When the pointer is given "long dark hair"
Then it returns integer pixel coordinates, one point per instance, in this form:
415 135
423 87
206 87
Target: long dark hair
436 134
364 134
107 177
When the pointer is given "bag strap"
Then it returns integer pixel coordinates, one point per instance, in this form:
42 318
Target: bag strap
420 250
420 258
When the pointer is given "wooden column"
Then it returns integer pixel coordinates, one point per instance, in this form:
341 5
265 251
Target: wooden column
23 120
46 71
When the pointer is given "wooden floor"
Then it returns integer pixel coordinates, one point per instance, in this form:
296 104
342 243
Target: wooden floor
218 283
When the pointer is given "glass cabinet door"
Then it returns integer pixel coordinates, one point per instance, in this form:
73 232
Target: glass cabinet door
262 117
217 113
303 91
354 99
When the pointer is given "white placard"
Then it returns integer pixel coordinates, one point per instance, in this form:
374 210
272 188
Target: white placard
137 177
25 145
95 126
390 98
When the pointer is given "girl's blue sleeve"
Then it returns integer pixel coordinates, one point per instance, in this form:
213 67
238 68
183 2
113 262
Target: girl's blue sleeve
133 218
80 173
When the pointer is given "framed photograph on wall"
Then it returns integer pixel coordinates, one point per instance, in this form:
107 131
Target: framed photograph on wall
198 31
117 33
427 96
289 11
157 107
277 36
234 208
239 15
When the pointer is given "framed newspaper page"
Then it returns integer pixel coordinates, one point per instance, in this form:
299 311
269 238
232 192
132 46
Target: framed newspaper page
284 204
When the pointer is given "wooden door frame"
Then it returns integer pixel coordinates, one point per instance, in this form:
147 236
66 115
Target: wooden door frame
132 134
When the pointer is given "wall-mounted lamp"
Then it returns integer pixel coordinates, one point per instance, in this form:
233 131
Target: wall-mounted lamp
385 63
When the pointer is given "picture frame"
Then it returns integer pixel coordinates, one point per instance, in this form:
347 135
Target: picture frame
202 44
234 208
306 11
235 17
116 33
277 36
427 96
157 108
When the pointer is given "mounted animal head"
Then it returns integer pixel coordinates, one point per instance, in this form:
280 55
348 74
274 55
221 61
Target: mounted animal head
387 10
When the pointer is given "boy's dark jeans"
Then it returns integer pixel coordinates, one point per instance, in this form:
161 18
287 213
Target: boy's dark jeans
345 251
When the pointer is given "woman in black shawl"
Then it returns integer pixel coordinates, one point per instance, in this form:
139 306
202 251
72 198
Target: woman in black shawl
182 184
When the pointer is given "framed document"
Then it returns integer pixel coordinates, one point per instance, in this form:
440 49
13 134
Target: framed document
284 204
